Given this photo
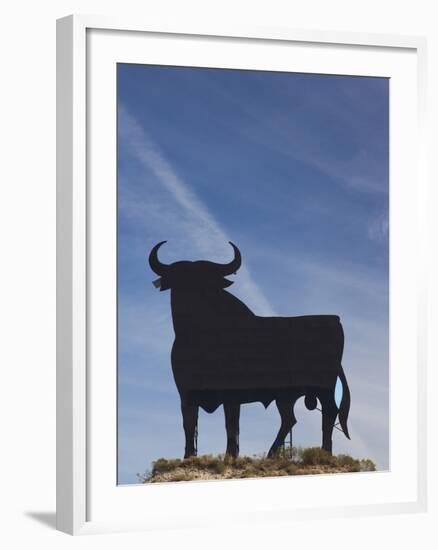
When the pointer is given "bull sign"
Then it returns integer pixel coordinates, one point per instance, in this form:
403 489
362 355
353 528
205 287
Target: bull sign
224 354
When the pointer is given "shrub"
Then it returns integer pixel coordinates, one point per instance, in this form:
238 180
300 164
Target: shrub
315 456
163 465
249 472
241 461
291 468
219 467
181 476
367 465
145 477
203 462
282 463
348 462
228 460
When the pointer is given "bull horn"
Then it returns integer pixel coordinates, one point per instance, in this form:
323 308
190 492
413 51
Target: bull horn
156 266
233 266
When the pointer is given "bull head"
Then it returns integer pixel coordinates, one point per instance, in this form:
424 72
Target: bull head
193 275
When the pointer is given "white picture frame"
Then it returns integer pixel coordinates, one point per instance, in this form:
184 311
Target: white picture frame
86 495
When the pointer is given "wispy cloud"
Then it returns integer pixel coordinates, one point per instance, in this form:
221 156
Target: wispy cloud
365 171
203 230
378 228
360 173
336 280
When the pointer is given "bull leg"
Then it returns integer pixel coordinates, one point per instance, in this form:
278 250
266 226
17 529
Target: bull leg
288 420
329 414
232 416
190 424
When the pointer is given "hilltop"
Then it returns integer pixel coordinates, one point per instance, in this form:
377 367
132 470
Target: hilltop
313 460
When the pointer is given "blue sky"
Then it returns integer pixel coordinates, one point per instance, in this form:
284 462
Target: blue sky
293 168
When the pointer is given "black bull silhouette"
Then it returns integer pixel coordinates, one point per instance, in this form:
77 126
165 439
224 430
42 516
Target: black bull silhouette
224 354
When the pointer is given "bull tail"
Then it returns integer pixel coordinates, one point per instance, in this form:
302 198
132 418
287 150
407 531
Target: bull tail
345 403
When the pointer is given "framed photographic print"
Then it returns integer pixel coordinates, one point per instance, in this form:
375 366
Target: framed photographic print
240 275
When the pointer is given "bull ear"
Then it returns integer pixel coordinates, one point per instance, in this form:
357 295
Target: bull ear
226 283
216 283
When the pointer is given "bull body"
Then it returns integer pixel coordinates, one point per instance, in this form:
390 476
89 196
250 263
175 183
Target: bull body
224 354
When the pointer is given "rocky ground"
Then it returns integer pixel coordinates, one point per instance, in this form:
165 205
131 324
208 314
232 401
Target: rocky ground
302 462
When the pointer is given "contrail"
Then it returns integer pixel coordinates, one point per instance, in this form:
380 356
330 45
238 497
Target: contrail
204 231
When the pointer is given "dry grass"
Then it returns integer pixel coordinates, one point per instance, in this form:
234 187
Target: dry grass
313 460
